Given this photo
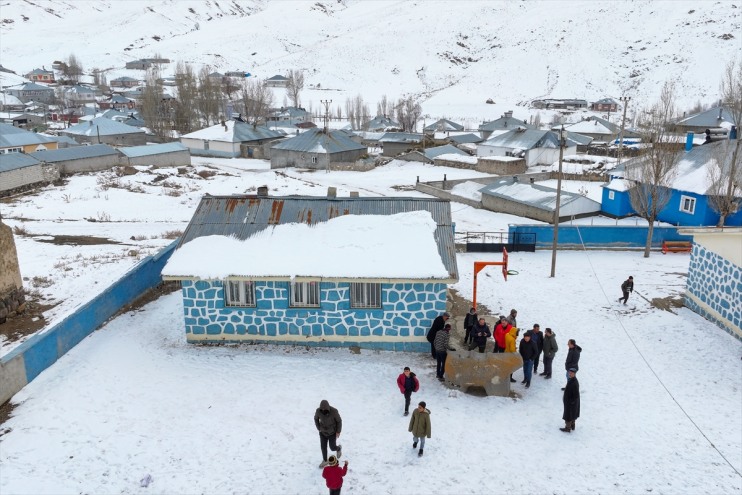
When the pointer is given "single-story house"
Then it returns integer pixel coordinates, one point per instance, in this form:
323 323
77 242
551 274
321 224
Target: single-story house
118 102
22 119
157 155
80 158
230 139
78 94
11 103
396 143
295 114
715 277
20 170
465 138
317 149
531 200
504 123
690 202
443 125
277 81
594 127
604 105
32 91
138 64
538 147
560 104
709 119
16 140
428 155
106 131
243 278
381 123
124 82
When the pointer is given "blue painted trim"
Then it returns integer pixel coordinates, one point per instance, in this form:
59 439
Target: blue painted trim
599 236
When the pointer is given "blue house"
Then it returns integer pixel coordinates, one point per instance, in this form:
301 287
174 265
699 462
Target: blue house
692 188
318 271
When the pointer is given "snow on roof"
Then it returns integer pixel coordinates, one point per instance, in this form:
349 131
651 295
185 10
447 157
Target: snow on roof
400 246
618 184
468 189
456 157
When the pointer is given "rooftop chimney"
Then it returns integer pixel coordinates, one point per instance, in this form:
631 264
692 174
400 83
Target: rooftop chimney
509 114
720 110
332 192
263 191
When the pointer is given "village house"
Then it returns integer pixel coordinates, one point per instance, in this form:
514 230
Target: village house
292 114
16 140
32 91
118 102
106 131
79 94
598 129
381 123
604 105
124 82
443 125
79 158
41 75
20 171
277 81
503 124
537 147
714 118
231 139
138 64
396 143
11 103
243 279
317 149
559 104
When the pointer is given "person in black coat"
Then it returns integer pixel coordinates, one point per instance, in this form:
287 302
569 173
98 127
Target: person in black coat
626 287
469 321
480 332
571 401
438 324
527 350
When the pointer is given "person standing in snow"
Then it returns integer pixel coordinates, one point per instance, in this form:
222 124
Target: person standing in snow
420 427
550 349
333 475
571 401
407 383
527 351
480 332
329 425
573 356
626 287
441 350
538 340
510 338
438 324
501 329
469 321
512 318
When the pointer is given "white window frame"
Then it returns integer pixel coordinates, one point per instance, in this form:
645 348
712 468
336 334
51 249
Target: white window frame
304 294
365 295
240 293
691 204
314 159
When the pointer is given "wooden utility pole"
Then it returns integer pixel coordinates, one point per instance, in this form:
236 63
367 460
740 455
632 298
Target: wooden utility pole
326 118
625 100
558 201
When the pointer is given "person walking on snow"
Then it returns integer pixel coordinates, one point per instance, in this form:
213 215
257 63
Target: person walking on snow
420 427
481 332
333 475
407 383
527 351
441 350
573 356
329 425
626 287
571 401
538 339
438 324
469 321
510 344
550 349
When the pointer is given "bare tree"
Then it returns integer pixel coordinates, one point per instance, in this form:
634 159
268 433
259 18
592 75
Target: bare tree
385 107
74 68
185 115
257 99
155 111
725 173
294 86
209 100
408 113
654 170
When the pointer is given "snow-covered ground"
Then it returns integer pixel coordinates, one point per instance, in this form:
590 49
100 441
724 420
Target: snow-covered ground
661 389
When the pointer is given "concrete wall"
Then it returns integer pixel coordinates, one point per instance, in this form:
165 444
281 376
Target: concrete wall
599 236
172 159
406 313
503 205
20 177
10 274
24 363
509 167
94 164
394 149
304 159
222 149
22 182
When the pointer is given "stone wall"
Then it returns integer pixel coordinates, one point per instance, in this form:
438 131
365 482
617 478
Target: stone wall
11 285
407 311
713 289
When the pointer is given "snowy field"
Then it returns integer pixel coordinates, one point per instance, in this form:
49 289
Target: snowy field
661 389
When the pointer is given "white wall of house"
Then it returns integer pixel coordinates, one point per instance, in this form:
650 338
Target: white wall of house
218 146
546 156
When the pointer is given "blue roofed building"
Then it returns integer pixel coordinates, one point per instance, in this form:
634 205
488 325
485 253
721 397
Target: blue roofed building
505 123
20 171
318 149
101 130
80 158
157 155
443 125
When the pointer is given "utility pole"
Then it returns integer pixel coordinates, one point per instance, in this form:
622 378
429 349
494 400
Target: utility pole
625 100
558 201
326 117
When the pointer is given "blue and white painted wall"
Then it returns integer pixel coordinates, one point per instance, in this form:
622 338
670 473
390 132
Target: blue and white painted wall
714 287
406 313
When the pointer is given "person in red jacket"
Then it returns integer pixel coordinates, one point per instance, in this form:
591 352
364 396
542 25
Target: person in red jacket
501 329
407 383
333 475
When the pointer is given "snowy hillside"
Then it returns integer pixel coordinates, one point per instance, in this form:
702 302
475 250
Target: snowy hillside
453 55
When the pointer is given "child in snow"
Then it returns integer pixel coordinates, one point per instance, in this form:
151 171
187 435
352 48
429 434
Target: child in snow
333 475
420 427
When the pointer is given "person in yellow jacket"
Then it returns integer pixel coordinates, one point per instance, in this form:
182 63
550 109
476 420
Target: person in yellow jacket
510 344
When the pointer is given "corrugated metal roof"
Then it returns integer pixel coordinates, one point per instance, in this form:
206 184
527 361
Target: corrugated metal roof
401 137
380 123
525 139
535 195
14 161
152 149
444 125
709 118
242 216
316 141
504 123
11 136
77 152
103 127
466 138
431 153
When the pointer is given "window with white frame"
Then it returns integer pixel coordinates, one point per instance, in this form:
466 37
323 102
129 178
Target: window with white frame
304 294
240 293
687 204
314 159
365 295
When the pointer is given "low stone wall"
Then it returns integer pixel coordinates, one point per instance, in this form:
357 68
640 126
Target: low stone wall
12 303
